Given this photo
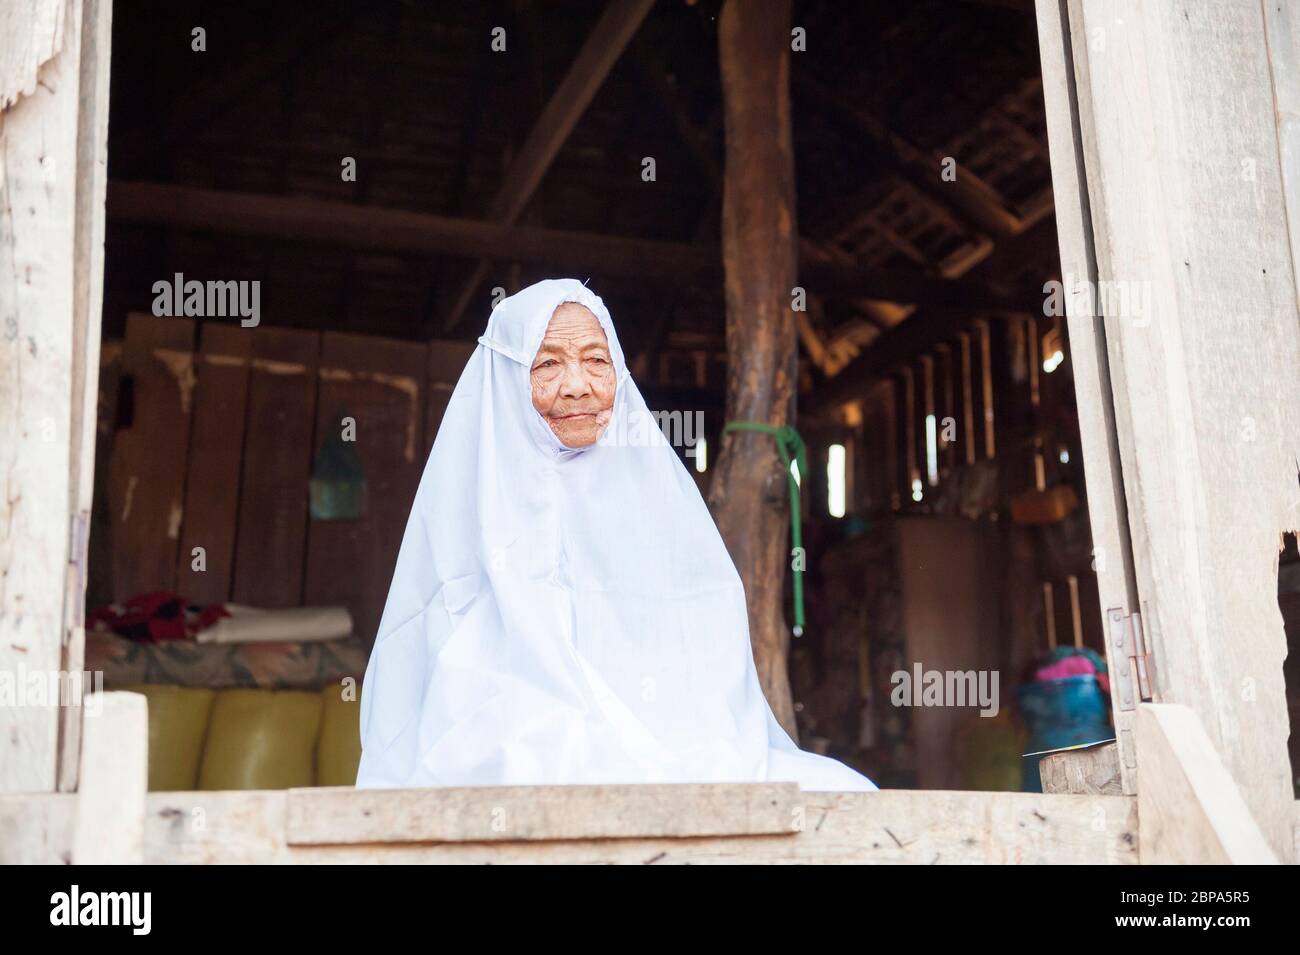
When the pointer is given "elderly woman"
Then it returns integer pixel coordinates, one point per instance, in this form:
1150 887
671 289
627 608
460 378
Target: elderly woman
563 608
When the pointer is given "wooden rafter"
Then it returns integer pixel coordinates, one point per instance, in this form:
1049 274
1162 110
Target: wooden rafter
604 45
976 199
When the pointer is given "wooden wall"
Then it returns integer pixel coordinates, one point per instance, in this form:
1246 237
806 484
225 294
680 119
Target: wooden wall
217 428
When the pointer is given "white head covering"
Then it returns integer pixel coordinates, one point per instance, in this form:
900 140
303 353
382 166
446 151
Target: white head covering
563 615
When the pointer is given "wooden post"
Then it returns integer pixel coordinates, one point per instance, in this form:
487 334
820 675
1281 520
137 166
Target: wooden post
53 92
1107 507
749 495
108 827
1176 113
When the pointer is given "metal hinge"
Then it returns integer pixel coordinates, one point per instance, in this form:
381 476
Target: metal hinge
1132 667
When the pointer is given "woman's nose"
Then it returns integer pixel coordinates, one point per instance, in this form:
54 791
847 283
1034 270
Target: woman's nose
574 384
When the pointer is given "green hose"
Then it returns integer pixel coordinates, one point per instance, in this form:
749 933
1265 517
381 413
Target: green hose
789 445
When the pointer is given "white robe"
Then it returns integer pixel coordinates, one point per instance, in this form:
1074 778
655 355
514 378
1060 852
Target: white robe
564 615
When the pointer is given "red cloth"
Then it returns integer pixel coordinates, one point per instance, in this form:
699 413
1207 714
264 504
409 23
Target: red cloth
155 617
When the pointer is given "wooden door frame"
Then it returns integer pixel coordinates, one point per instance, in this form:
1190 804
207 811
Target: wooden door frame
53 134
1167 178
1119 142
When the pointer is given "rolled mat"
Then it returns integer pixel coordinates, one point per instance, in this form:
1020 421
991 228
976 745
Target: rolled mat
261 739
289 625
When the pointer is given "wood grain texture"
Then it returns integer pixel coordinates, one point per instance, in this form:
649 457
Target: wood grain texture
380 384
749 496
36 829
94 54
1107 507
887 827
1091 770
214 465
108 825
272 531
1186 194
533 813
147 479
38 357
34 33
1191 810
1282 29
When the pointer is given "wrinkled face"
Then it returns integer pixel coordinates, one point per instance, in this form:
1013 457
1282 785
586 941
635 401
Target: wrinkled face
573 376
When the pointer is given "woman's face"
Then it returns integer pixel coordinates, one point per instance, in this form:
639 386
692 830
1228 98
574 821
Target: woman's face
573 376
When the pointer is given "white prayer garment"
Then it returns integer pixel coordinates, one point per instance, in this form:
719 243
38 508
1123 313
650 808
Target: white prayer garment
562 615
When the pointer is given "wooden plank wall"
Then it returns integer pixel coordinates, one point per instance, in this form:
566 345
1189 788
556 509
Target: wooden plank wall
272 525
220 450
147 475
378 383
213 468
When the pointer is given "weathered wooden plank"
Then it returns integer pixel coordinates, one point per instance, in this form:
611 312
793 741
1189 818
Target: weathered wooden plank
531 813
378 383
1180 143
36 829
38 360
147 473
215 461
1107 508
272 532
108 826
1091 770
891 826
1191 811
94 53
1282 25
34 33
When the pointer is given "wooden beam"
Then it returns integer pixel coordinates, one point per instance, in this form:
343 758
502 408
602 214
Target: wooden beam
894 346
748 494
424 234
412 233
88 306
347 815
831 279
601 51
670 100
53 74
1094 397
939 322
977 200
1189 808
890 826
